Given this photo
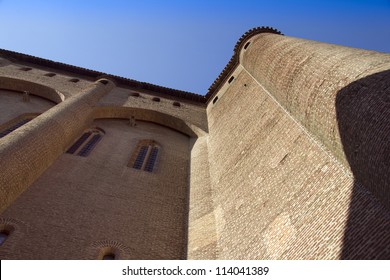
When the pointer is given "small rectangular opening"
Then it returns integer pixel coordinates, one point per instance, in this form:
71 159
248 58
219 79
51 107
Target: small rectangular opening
247 45
231 79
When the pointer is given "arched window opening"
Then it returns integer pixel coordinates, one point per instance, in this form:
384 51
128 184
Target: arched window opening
145 156
109 256
215 99
3 236
176 104
86 143
247 45
108 253
156 99
13 125
231 79
50 74
87 148
74 80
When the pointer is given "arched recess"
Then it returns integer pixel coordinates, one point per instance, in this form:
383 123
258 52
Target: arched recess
33 88
144 155
150 116
86 142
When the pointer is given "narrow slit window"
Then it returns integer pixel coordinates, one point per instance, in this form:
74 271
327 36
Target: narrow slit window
151 160
14 127
86 143
145 156
78 143
87 148
231 79
141 157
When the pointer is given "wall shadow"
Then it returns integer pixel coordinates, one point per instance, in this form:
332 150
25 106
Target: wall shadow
363 115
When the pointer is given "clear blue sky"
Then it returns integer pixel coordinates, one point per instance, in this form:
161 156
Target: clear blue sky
178 44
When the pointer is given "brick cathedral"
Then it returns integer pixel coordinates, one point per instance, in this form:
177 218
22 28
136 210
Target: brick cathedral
286 157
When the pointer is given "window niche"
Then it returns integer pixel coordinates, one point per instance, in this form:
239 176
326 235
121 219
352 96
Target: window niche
108 253
86 143
145 156
247 45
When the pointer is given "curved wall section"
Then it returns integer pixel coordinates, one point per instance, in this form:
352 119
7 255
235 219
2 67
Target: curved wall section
276 127
150 116
306 78
33 88
12 105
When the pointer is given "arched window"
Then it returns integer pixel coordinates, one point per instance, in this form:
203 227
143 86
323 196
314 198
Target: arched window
145 156
85 144
14 124
109 256
108 253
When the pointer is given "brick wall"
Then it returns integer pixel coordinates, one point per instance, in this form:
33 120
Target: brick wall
30 150
82 205
282 185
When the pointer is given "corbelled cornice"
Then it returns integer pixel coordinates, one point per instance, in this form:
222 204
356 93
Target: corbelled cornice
234 61
120 81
